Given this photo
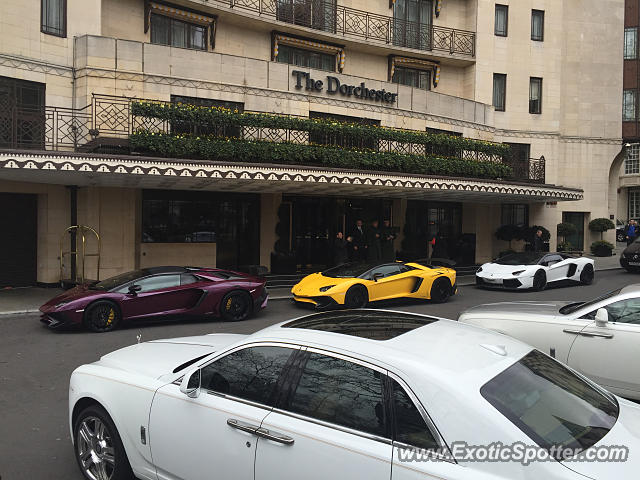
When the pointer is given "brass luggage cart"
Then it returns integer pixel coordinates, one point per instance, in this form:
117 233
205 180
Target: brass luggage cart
77 256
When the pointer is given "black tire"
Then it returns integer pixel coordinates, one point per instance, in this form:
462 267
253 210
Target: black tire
540 281
99 447
102 316
356 297
440 290
587 274
236 306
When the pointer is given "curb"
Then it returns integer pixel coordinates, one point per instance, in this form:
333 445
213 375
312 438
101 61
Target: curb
20 312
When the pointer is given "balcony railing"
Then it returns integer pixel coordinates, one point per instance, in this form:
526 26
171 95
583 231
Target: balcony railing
329 17
106 124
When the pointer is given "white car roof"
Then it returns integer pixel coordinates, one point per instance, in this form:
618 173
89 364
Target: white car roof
634 288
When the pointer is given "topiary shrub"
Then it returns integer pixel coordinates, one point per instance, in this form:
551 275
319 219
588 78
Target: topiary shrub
566 229
565 247
601 225
602 248
508 233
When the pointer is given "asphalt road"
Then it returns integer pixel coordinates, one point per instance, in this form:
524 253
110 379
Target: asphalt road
35 365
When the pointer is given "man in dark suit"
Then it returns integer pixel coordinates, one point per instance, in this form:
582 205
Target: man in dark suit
359 242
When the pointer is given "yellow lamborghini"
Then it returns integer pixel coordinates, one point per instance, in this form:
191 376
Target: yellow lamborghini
354 285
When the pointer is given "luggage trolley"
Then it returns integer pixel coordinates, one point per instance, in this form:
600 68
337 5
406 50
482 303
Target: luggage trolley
78 277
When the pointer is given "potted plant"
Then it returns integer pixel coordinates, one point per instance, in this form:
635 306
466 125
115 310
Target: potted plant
601 248
566 229
508 233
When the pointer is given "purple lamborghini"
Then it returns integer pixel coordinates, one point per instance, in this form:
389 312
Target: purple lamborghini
157 291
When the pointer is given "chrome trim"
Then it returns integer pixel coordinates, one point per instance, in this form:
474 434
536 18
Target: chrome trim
273 436
242 426
588 334
322 423
240 400
568 330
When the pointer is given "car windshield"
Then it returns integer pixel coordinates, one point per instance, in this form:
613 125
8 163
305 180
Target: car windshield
348 270
572 307
118 280
553 406
524 258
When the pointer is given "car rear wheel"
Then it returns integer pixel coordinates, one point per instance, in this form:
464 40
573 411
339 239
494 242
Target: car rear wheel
356 297
440 290
101 316
540 280
98 447
235 306
586 277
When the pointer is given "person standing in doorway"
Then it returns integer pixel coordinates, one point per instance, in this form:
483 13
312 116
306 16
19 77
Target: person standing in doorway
631 231
359 242
340 253
373 241
387 239
538 242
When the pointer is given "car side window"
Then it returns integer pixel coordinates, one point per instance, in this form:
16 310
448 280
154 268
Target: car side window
251 373
386 271
409 425
624 311
340 392
551 260
156 282
187 279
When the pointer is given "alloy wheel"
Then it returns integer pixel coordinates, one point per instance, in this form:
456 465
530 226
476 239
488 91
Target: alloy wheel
95 449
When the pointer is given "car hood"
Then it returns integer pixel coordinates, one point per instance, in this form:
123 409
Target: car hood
496 268
523 308
159 358
76 293
632 249
625 433
311 284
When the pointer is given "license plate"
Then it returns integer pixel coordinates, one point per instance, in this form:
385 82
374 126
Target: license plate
634 263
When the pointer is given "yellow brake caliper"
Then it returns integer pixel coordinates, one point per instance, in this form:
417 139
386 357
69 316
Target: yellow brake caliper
112 315
229 302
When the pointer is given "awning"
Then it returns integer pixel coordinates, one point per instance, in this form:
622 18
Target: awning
207 21
416 63
148 172
280 39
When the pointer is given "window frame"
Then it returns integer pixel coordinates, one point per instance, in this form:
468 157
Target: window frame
539 14
634 95
632 160
505 9
512 210
403 71
634 55
307 53
189 25
532 82
45 28
503 108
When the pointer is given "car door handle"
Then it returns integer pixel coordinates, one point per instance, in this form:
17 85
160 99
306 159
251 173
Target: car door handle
589 334
274 436
243 426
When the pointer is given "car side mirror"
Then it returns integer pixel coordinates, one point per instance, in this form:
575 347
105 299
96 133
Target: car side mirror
602 317
377 276
190 384
134 289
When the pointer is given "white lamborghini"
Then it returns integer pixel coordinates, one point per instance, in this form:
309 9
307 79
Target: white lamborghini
520 271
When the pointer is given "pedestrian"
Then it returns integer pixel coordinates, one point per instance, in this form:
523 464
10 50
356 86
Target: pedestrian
387 239
440 248
374 250
340 254
538 242
359 242
631 231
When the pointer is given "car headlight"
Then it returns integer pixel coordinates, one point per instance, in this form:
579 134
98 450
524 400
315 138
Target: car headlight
324 289
61 304
518 272
479 270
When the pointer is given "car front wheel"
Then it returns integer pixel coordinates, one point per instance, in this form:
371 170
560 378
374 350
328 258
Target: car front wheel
235 306
98 448
356 297
540 280
101 316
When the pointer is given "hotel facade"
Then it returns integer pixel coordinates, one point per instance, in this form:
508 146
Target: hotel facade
237 133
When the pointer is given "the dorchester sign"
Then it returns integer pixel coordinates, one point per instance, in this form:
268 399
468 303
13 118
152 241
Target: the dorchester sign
334 86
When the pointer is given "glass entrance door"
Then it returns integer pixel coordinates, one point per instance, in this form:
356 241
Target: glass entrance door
577 239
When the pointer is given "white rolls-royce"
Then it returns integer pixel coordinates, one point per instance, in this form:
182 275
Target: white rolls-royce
360 394
533 270
599 338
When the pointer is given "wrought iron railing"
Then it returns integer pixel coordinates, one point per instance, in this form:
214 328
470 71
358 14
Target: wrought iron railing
341 20
108 121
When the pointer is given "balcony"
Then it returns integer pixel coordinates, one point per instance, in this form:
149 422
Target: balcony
123 125
326 16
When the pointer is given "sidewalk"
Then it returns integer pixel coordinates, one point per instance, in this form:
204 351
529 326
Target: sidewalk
28 300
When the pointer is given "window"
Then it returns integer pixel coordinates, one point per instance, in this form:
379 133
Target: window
53 17
537 25
634 203
155 283
22 114
409 426
551 404
535 95
629 105
499 91
306 58
176 33
411 23
188 279
206 129
502 20
251 373
631 43
515 214
337 139
340 392
318 14
385 271
632 162
624 311
520 152
412 77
